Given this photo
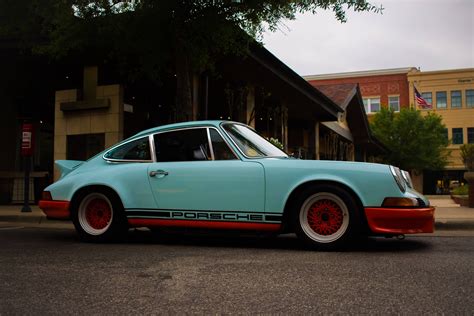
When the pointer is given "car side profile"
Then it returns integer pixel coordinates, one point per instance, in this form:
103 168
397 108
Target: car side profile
223 175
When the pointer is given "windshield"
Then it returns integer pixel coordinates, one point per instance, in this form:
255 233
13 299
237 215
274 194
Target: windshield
250 143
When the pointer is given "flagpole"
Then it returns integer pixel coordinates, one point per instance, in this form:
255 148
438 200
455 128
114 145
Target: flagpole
414 96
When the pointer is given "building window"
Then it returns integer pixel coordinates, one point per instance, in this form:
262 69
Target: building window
470 98
84 146
470 135
394 103
372 105
456 102
428 96
457 136
441 100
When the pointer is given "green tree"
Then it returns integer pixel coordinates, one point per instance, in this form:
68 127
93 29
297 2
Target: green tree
416 142
467 155
152 37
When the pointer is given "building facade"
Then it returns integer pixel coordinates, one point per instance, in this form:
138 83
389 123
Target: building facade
82 109
450 94
387 88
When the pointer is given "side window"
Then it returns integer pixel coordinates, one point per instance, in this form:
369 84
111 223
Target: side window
221 150
135 150
184 145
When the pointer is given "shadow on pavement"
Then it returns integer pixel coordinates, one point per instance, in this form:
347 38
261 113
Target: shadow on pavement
287 242
218 240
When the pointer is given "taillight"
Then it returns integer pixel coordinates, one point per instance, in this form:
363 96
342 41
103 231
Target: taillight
46 196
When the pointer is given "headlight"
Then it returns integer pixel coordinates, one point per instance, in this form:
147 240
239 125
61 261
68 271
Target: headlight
397 175
407 178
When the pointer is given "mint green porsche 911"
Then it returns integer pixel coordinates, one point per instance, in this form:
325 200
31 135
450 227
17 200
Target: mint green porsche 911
223 175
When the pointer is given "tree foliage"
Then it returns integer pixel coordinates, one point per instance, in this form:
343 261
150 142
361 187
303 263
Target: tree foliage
149 37
467 155
416 142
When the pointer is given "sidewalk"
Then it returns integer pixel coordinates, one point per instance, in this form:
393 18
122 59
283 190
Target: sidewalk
451 216
11 215
448 216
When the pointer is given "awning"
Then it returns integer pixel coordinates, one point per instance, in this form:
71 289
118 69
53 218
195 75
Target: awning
338 129
261 68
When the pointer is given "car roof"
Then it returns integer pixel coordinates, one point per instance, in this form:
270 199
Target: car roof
180 125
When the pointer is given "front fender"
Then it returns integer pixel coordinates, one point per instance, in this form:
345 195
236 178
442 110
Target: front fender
370 182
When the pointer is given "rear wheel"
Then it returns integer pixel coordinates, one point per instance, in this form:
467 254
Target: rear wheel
326 217
98 216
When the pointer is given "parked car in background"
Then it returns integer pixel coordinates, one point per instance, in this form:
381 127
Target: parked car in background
223 175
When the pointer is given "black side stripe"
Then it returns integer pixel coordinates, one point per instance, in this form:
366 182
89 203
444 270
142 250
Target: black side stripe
273 218
148 213
204 215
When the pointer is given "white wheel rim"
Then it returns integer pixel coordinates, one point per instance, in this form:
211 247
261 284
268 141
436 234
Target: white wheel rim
324 217
95 214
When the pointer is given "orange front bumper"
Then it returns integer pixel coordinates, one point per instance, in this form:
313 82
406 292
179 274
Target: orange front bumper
400 220
55 209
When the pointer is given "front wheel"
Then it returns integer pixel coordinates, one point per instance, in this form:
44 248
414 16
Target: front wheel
326 217
98 217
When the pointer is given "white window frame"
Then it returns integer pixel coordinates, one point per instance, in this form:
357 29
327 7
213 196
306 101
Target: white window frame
430 98
445 107
469 102
368 108
451 99
398 102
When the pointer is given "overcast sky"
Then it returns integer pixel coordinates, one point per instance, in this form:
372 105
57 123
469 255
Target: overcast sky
431 34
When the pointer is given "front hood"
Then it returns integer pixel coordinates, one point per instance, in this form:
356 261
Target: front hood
327 164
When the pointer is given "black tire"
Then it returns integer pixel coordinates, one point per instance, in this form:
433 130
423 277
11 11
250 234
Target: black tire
98 216
326 217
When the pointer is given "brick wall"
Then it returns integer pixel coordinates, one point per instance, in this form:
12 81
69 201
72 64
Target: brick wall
377 85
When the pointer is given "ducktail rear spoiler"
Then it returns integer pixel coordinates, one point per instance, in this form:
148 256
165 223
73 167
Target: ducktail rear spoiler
66 166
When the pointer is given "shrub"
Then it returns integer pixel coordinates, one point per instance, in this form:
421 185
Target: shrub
461 190
275 142
467 154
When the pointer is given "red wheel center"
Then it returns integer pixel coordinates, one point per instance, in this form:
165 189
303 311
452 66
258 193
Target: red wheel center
325 217
98 214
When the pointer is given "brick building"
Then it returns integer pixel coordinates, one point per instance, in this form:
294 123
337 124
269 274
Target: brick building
379 88
450 92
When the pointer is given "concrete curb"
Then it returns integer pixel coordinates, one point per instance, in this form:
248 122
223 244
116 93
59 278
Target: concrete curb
457 224
22 219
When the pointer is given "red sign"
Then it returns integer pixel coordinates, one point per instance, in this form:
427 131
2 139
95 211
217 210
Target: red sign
27 139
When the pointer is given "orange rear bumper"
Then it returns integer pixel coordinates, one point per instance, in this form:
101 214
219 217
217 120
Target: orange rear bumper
55 209
400 220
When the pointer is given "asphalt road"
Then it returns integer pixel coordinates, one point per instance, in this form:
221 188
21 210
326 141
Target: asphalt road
48 271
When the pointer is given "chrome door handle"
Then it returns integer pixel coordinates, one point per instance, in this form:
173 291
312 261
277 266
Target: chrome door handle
158 173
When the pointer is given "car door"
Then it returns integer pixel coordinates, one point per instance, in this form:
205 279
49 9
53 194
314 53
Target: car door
190 174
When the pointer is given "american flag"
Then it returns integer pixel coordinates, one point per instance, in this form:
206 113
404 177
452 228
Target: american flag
421 102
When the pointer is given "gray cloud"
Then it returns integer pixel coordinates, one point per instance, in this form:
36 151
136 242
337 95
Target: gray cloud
431 34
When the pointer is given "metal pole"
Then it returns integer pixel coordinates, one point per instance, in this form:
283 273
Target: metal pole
26 207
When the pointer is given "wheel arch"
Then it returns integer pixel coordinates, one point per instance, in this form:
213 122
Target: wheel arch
95 188
292 198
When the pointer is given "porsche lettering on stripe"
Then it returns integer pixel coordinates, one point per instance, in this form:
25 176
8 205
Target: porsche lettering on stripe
205 215
217 216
